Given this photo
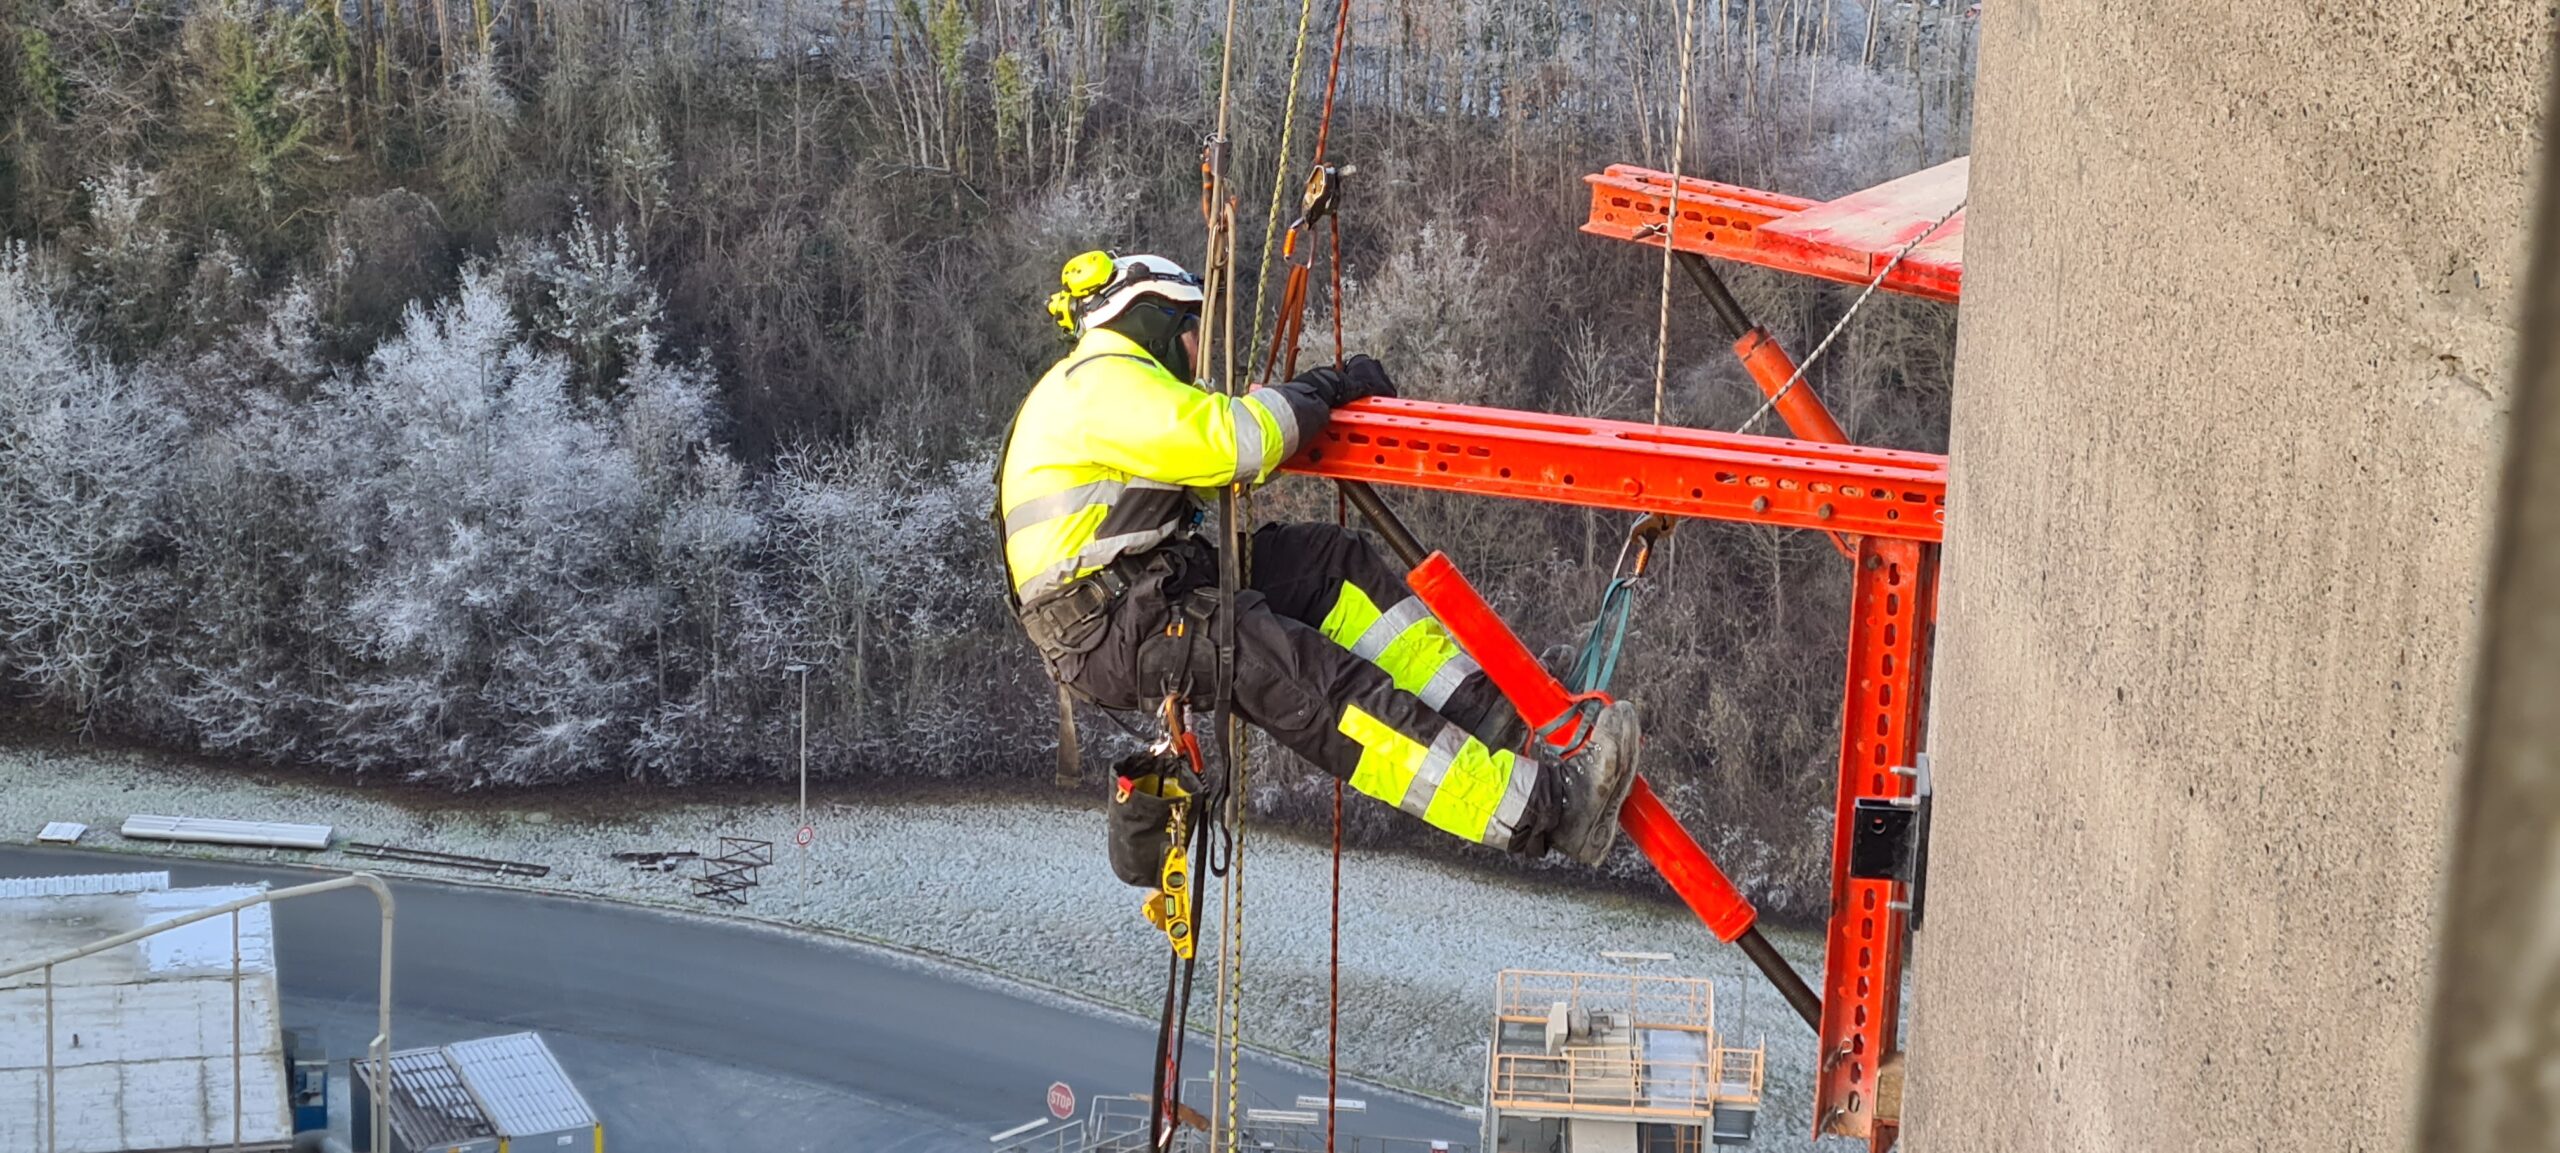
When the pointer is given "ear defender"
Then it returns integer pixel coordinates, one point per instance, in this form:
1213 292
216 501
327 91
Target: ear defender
1084 275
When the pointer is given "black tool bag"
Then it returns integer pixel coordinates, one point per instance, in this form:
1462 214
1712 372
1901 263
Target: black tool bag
1069 622
1144 792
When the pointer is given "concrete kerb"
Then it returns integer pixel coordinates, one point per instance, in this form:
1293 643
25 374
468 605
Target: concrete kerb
987 975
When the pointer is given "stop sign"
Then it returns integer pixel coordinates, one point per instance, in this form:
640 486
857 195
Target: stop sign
1062 1100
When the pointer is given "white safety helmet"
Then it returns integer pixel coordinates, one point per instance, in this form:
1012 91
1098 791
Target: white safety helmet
1100 286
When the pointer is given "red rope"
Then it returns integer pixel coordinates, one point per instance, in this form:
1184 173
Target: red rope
1296 288
1333 76
1333 1010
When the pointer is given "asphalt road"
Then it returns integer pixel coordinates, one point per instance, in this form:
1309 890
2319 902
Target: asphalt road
690 1033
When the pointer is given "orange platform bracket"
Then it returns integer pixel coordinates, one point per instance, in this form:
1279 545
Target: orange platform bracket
1885 508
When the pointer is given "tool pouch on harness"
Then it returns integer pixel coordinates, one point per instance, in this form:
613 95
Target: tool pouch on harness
1068 623
1147 789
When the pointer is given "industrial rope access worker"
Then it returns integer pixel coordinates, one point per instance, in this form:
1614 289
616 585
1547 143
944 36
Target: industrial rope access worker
1110 463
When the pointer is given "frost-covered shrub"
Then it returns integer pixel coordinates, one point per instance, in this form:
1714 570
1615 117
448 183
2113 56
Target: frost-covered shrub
588 292
83 467
885 582
1427 313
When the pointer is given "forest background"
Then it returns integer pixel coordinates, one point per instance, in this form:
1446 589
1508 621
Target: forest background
505 393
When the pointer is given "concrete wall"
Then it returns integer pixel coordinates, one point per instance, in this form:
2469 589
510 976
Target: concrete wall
2496 1073
2230 389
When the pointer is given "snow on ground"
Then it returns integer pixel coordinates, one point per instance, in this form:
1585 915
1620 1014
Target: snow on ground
1015 886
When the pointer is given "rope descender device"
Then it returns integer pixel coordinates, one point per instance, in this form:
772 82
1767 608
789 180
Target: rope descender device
1171 906
1322 196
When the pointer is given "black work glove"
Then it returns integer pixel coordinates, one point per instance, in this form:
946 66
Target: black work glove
1368 378
1358 379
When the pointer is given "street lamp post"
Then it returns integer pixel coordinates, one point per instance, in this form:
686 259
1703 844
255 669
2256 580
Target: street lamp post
801 834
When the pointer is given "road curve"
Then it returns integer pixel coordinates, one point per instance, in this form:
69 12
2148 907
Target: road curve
828 1034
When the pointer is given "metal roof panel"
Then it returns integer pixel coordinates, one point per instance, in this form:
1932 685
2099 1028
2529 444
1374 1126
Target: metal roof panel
143 1055
428 1104
519 1084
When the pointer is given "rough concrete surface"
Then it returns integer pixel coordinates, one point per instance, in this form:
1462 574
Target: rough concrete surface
2230 391
2495 1079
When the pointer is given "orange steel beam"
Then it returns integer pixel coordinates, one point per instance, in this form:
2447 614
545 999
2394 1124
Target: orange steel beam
1730 222
1892 503
1892 614
1683 472
1886 508
1852 240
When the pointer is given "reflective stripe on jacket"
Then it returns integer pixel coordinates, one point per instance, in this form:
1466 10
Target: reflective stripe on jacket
1108 448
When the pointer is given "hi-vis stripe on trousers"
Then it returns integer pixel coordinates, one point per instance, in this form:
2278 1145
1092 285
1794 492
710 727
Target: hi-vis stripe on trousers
1337 661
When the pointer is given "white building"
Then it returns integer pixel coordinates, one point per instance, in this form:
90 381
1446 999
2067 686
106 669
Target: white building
169 1043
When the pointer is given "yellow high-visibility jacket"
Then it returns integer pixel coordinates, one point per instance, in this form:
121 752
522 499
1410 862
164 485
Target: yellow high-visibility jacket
1109 449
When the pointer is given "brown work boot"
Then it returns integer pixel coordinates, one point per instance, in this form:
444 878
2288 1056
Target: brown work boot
1595 783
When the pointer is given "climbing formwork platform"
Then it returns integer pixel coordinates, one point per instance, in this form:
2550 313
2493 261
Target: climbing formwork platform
1600 1062
1883 509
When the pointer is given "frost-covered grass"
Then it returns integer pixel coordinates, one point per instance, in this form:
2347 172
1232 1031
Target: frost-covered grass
1017 886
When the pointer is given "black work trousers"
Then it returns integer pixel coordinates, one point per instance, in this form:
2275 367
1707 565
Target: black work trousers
1326 631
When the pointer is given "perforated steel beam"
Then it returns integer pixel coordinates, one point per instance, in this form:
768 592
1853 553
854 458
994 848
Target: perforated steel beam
1893 608
1848 240
1682 472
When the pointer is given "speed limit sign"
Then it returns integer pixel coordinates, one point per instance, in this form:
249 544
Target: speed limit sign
805 835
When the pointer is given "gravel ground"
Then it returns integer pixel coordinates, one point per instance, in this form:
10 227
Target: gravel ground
1011 885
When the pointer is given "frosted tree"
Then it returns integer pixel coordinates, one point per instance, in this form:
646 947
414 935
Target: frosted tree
702 536
589 292
81 471
538 576
480 505
885 579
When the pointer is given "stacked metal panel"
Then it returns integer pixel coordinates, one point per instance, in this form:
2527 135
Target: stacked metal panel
489 1095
